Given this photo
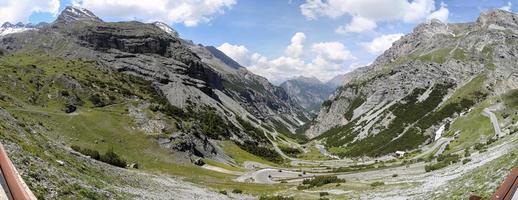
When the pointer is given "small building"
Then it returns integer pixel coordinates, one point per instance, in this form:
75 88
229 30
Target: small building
400 154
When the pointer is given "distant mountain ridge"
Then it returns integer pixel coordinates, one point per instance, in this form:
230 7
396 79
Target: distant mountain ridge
310 92
8 28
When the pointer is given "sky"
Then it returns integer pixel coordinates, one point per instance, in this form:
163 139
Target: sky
277 39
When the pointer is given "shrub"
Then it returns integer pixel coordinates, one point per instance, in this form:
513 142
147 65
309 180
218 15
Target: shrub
377 183
264 152
394 175
213 125
353 168
276 198
97 100
92 153
167 109
490 141
223 192
302 187
326 103
251 130
479 146
321 180
449 158
87 152
76 148
467 160
290 151
112 158
443 161
324 194
357 102
237 191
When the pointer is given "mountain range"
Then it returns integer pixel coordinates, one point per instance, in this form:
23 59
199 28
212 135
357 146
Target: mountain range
129 110
309 92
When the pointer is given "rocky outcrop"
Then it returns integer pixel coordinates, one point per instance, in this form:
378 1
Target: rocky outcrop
224 58
167 29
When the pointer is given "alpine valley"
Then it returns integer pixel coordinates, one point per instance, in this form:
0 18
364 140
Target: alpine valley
129 110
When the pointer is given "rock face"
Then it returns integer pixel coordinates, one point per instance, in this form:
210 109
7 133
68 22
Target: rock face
339 80
309 92
420 71
224 58
189 76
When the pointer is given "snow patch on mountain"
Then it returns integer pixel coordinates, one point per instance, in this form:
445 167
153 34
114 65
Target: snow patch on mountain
8 28
166 28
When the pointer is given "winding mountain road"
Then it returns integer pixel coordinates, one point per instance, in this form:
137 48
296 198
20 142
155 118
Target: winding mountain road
494 121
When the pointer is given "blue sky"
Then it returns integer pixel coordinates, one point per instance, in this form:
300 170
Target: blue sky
257 33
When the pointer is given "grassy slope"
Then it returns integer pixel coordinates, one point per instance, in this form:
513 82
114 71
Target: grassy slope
240 155
223 165
468 90
483 181
474 127
31 91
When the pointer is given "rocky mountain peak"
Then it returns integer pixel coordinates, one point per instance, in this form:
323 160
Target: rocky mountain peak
73 13
498 17
421 33
166 28
7 25
431 28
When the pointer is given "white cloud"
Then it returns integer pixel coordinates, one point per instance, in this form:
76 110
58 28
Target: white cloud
417 10
367 13
188 12
380 44
325 61
296 48
238 53
357 25
20 10
334 51
507 7
441 14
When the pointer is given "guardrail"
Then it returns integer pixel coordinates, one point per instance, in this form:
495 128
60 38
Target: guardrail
509 188
13 185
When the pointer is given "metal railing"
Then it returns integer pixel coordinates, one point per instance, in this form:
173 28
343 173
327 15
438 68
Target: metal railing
13 185
509 188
